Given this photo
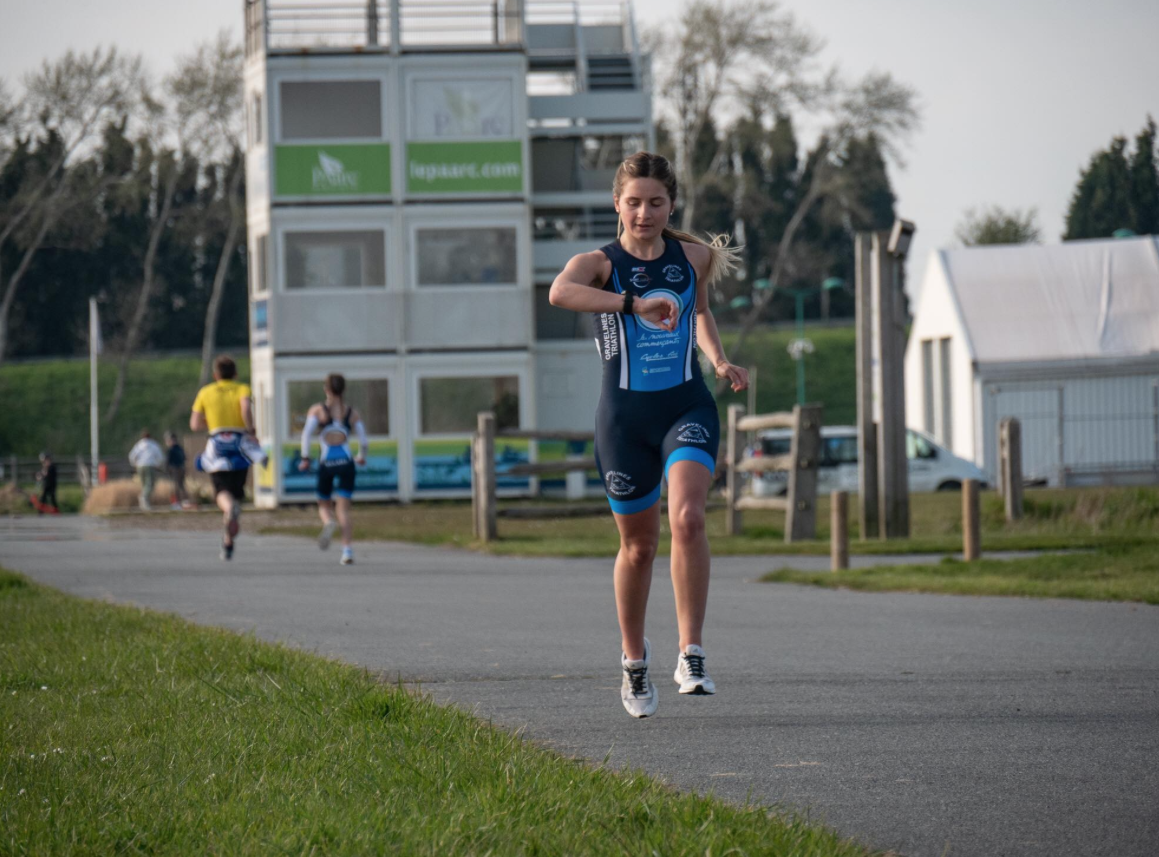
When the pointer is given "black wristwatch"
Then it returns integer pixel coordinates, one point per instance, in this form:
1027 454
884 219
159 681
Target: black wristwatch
629 299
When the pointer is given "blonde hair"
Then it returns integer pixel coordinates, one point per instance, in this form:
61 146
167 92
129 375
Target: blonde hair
723 256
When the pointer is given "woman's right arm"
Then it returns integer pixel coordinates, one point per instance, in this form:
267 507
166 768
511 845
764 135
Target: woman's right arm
579 288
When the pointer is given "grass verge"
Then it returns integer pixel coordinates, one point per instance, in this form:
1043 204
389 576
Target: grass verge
131 732
1117 573
1055 520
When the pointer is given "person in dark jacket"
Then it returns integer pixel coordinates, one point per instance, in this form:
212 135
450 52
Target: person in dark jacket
175 469
47 479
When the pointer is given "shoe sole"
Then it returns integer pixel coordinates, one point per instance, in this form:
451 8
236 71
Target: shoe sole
695 690
640 716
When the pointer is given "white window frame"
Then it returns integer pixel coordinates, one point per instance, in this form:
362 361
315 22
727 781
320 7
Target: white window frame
417 223
466 366
334 219
385 83
518 115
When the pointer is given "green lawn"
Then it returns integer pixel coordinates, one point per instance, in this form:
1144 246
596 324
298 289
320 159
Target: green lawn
131 732
1055 519
159 393
1124 573
830 372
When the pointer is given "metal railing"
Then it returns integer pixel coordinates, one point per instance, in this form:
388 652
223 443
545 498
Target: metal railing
580 225
304 25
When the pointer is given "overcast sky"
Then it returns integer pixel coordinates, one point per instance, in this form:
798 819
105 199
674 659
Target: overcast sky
1016 94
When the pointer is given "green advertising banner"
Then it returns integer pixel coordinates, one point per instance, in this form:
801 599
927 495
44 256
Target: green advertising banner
490 167
343 169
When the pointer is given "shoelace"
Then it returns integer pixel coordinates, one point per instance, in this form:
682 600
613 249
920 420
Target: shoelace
637 678
695 665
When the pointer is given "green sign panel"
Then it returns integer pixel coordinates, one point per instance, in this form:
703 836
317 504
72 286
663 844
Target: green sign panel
343 169
491 167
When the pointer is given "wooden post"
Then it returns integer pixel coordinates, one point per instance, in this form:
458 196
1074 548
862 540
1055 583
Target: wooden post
487 504
732 477
1010 433
751 437
866 428
971 521
801 515
889 347
476 484
838 531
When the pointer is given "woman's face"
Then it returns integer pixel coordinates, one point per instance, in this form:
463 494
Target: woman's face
644 208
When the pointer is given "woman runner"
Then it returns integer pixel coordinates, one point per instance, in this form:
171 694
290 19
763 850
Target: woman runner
656 419
333 420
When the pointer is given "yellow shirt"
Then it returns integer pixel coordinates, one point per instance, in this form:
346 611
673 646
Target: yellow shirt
221 404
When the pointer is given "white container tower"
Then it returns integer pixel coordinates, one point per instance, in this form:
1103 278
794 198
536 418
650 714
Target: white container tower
417 173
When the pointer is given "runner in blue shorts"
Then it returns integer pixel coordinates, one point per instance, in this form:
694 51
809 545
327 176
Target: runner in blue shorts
657 420
334 421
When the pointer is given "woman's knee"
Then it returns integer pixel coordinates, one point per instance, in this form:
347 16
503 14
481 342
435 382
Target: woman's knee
687 523
639 551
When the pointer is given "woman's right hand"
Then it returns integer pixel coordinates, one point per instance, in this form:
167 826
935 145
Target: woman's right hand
661 311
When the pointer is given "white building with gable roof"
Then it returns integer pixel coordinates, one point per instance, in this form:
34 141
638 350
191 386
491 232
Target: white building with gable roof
1063 337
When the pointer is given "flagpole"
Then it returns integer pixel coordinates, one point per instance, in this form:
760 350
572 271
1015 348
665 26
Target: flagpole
94 409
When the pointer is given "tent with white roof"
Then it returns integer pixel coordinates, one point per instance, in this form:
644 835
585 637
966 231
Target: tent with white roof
1063 337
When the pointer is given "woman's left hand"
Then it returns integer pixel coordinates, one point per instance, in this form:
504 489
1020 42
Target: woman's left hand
735 375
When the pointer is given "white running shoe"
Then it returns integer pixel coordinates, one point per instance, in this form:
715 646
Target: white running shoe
690 674
347 556
326 534
637 691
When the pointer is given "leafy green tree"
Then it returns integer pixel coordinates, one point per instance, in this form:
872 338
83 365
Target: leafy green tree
996 225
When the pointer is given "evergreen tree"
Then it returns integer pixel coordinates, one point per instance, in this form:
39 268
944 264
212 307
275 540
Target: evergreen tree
1145 183
1102 200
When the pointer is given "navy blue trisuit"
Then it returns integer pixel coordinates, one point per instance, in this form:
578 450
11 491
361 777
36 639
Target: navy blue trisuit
655 408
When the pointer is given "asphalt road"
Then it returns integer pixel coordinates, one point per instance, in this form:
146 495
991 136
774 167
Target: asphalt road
932 725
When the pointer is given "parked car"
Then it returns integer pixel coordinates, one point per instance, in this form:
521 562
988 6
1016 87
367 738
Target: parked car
931 467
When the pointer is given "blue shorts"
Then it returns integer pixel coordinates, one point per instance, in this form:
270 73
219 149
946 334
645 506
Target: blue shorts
640 434
342 473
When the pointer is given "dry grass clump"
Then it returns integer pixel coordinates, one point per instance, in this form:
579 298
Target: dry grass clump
124 494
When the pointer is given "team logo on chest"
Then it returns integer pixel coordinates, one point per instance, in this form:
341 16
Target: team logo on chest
619 484
692 433
640 278
674 273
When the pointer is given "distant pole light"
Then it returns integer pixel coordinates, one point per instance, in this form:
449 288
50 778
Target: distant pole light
832 283
900 237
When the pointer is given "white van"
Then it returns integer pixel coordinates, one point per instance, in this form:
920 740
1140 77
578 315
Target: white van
931 467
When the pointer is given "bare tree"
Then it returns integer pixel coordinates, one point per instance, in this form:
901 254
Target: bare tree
71 99
874 105
161 175
721 53
206 89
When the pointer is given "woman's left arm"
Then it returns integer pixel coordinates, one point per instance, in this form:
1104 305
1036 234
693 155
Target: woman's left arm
707 336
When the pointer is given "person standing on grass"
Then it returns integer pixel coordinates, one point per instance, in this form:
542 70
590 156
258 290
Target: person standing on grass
47 479
146 456
225 409
333 421
175 467
656 420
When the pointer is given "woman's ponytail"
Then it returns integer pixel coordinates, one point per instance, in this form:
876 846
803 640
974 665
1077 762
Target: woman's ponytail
723 256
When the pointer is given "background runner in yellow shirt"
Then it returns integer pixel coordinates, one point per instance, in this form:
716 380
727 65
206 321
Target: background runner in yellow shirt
225 409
